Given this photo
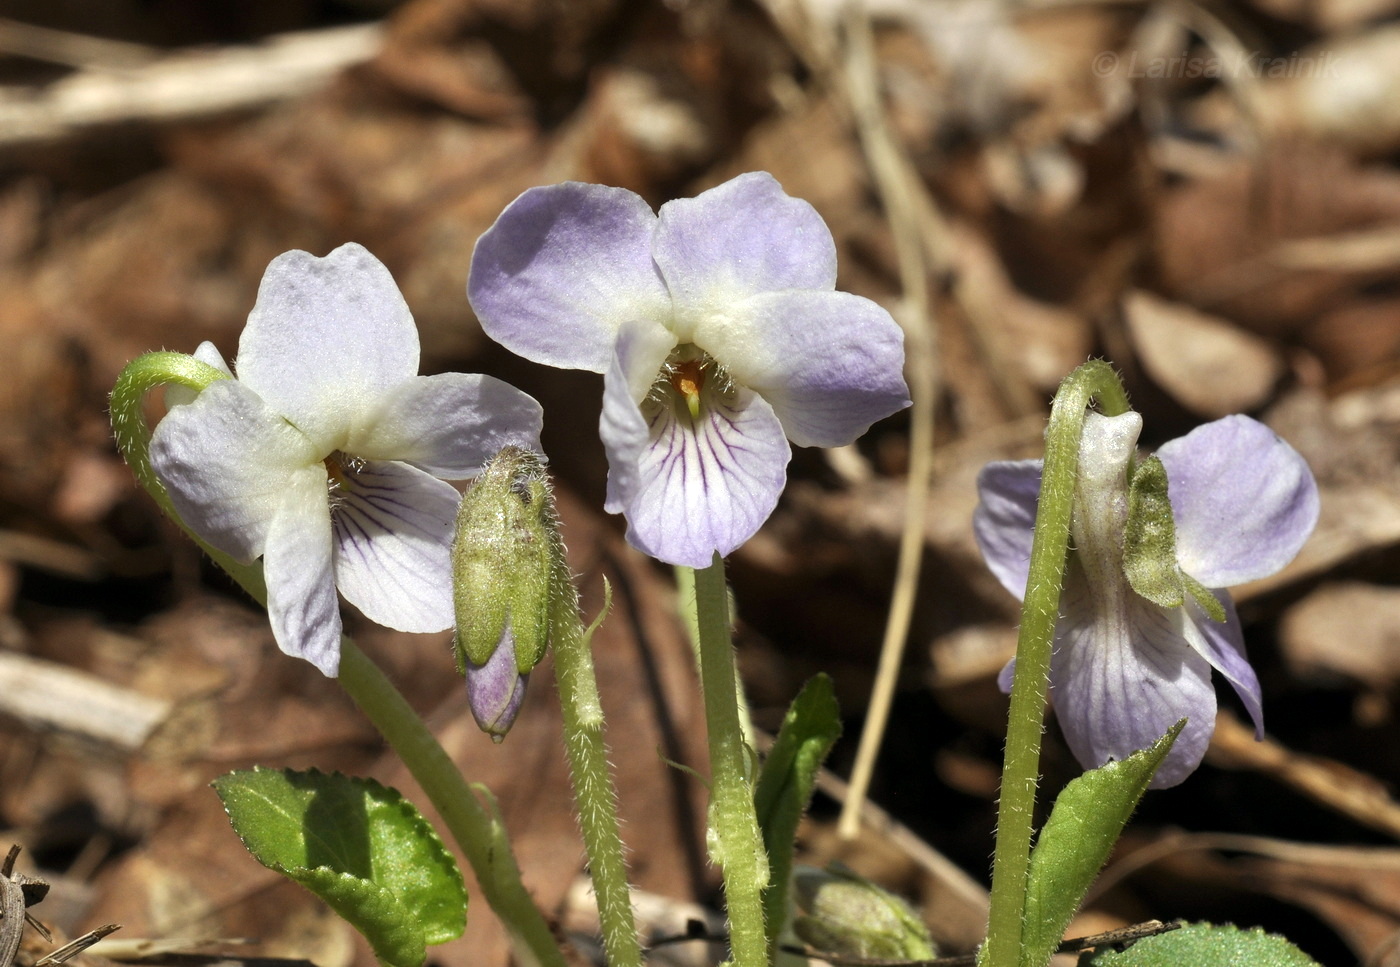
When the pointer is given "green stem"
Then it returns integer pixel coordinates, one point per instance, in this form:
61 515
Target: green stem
736 843
476 830
1025 723
594 791
481 838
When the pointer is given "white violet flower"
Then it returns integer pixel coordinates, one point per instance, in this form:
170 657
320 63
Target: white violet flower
327 456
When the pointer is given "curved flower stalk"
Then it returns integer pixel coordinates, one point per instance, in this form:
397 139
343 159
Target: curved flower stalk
1129 659
327 456
718 331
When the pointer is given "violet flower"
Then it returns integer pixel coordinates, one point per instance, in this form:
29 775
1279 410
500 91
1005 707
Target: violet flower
1124 668
327 457
720 335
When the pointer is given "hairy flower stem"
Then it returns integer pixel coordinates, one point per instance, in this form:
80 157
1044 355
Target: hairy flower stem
478 834
1026 720
735 840
594 791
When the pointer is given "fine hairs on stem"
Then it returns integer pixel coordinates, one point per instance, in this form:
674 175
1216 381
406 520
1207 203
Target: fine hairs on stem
736 842
1025 723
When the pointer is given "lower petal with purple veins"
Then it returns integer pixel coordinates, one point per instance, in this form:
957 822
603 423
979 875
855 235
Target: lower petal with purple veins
692 486
393 527
1121 678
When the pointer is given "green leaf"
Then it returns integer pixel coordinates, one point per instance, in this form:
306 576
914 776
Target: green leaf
811 727
1076 841
1204 945
358 845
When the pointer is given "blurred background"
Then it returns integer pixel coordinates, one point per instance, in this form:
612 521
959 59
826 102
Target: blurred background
1204 193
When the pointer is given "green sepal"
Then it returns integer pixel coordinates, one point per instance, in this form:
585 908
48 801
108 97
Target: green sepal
1076 841
785 783
1204 945
1209 603
1149 546
504 556
358 845
1149 540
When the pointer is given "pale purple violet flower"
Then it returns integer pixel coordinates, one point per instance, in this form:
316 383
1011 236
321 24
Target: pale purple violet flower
327 457
720 335
1125 669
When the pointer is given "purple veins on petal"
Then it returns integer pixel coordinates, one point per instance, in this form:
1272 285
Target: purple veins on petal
705 485
393 526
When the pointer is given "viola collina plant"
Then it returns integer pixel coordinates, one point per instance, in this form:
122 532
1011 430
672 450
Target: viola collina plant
1143 614
718 331
328 455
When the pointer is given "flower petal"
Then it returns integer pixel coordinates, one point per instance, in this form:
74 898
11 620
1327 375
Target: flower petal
1223 646
829 363
393 537
1243 499
227 460
1122 674
637 359
562 269
1004 522
301 600
449 424
738 239
496 690
691 488
326 339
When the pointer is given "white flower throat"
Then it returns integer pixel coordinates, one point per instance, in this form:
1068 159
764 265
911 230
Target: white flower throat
341 469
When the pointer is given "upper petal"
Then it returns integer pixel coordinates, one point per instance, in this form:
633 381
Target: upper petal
1004 522
1122 675
227 461
301 600
1244 501
393 538
562 269
326 339
449 424
738 239
691 488
829 363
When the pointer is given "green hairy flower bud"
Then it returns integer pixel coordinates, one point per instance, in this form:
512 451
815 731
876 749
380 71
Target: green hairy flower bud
504 556
844 915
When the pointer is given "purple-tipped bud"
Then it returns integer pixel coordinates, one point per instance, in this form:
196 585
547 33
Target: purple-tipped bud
505 559
496 689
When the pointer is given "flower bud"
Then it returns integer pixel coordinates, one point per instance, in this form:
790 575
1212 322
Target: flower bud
496 689
505 555
844 915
